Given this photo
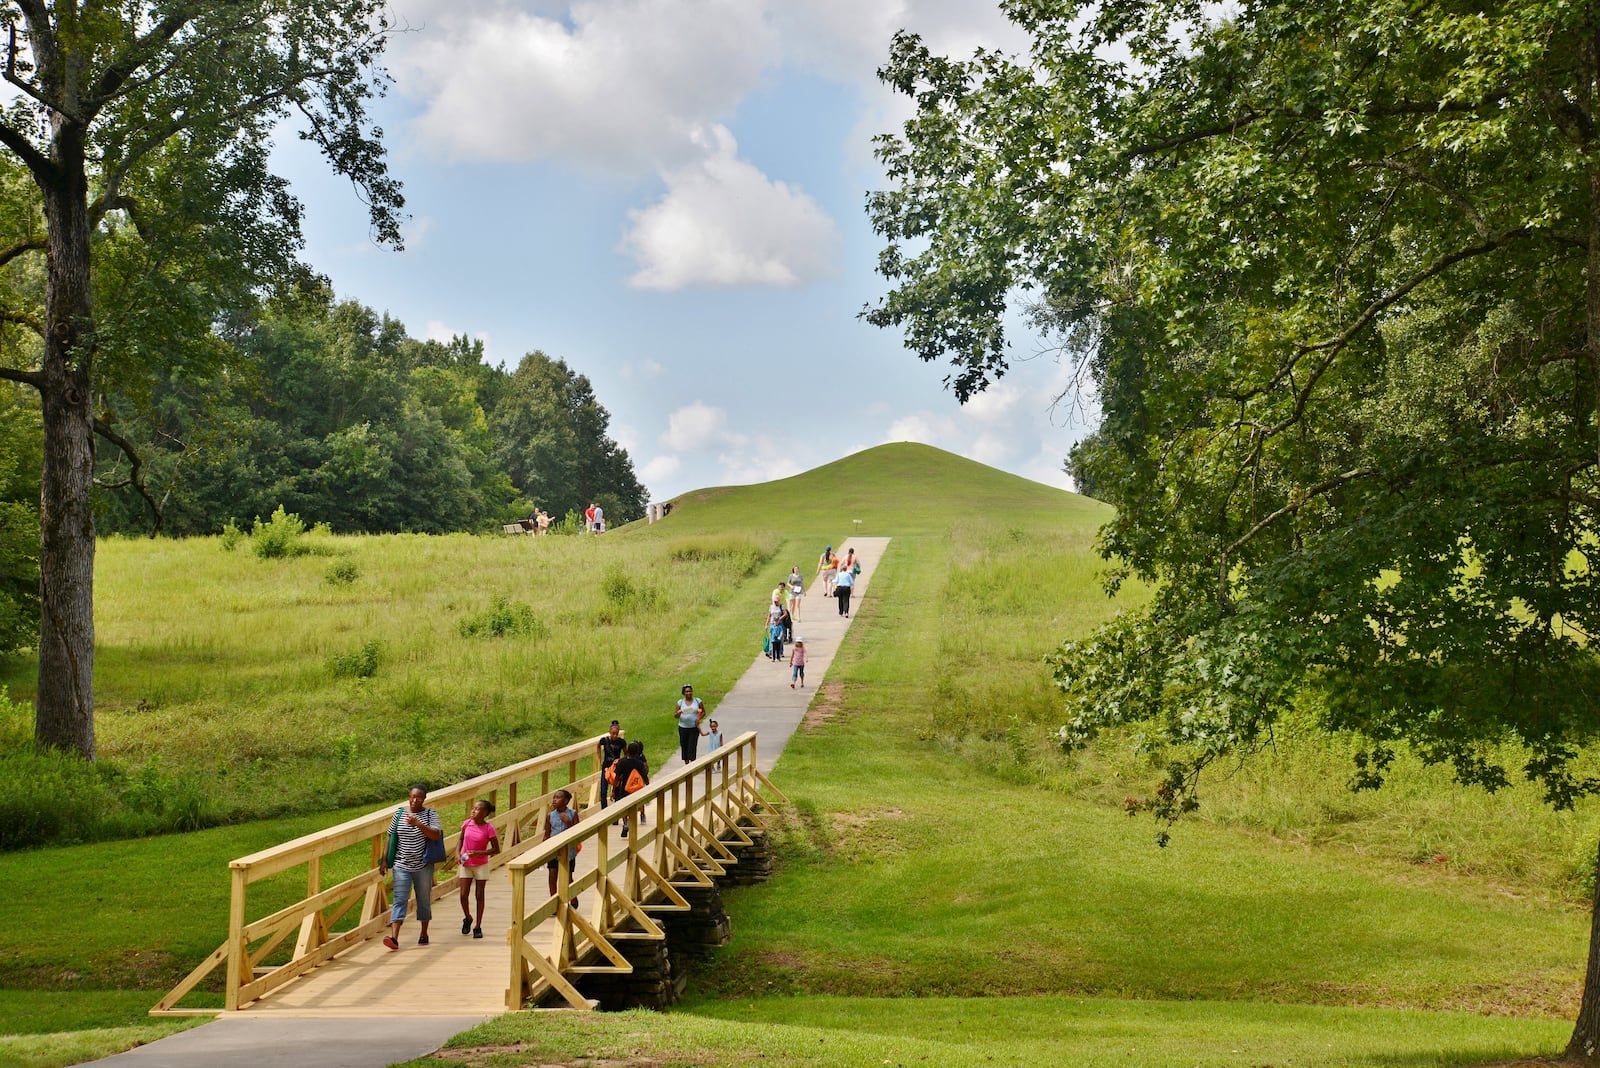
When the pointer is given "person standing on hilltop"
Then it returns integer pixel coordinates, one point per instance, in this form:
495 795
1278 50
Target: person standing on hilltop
588 519
827 568
689 712
599 518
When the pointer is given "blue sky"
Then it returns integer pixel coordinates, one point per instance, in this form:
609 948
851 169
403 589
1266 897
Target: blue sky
669 195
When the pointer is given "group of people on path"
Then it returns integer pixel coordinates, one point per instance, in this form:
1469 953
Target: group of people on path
416 836
838 576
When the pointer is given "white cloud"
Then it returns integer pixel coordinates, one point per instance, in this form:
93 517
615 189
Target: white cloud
617 85
922 427
646 370
994 405
724 223
699 427
744 469
660 469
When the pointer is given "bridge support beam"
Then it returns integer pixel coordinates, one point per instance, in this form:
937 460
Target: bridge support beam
661 967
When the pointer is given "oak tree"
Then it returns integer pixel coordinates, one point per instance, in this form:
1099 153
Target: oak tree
1334 273
141 130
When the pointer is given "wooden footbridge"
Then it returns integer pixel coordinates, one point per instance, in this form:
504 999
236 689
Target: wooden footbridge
315 949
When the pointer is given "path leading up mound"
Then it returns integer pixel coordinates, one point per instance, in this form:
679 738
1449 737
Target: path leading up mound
315 1022
761 700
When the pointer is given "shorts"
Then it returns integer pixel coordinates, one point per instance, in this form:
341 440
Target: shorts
572 861
477 872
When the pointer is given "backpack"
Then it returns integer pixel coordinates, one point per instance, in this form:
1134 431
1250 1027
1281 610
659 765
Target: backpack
635 781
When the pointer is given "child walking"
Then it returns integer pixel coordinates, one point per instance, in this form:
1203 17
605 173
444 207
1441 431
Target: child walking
479 842
562 817
797 664
713 736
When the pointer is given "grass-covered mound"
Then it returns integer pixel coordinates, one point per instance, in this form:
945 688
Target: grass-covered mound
941 847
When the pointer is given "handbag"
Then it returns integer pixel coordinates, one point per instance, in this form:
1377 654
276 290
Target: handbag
394 838
433 851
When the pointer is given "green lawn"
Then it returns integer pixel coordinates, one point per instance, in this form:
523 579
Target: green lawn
953 890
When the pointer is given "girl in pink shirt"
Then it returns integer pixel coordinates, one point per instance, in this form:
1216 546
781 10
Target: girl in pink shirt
797 662
479 842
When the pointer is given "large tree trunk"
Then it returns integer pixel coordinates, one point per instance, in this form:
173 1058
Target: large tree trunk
1585 1045
65 706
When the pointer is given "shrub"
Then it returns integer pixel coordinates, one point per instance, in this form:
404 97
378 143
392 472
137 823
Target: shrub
571 523
342 573
624 597
50 798
361 664
283 535
503 619
745 554
231 536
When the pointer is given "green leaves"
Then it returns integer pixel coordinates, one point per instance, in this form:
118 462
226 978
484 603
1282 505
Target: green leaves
1327 271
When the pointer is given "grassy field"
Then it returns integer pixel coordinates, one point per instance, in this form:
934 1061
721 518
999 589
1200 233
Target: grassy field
953 890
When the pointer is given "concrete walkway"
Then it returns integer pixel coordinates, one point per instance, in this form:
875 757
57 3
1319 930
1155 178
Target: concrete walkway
760 701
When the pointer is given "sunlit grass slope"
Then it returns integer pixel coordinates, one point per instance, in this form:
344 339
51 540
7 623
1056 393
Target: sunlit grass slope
952 889
903 489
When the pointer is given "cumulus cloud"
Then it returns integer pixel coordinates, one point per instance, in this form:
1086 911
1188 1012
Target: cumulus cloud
724 223
660 469
699 427
436 330
616 85
646 370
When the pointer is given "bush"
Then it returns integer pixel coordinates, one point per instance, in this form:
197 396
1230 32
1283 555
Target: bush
231 536
361 664
624 597
51 798
504 619
744 553
342 573
283 535
572 523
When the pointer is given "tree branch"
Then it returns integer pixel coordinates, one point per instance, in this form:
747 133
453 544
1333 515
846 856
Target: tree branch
27 378
136 475
32 244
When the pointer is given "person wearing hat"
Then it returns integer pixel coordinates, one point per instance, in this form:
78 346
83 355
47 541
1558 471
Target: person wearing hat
827 568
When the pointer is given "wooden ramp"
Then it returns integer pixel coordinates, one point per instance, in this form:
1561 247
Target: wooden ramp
533 943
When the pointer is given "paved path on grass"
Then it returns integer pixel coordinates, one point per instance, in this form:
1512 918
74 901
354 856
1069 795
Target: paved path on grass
317 1022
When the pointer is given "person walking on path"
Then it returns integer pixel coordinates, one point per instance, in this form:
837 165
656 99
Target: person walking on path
827 568
690 711
842 585
633 773
713 736
797 592
479 842
612 743
414 828
797 664
560 818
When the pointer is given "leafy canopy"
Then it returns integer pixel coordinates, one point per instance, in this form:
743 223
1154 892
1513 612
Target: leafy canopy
1328 269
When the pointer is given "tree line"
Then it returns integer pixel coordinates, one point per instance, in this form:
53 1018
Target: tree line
331 410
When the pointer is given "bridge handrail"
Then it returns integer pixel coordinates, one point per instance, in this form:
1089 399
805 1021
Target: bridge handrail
694 809
317 942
